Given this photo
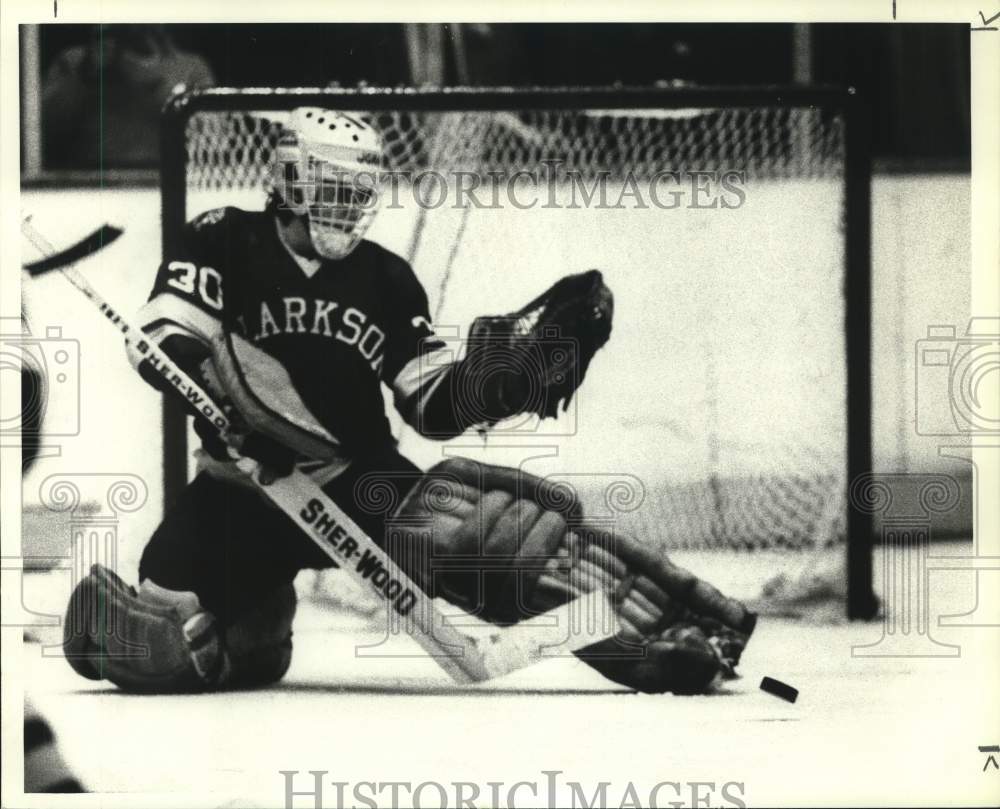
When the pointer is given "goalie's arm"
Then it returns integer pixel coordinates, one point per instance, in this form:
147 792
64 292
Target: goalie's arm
528 361
184 334
442 397
439 388
184 317
185 338
184 313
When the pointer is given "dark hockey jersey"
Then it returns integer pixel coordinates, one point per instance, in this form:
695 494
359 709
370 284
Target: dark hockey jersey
340 328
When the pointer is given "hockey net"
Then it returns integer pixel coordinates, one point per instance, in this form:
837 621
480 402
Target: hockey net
714 423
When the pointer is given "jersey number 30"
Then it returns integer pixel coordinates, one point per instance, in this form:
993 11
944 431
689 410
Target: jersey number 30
205 281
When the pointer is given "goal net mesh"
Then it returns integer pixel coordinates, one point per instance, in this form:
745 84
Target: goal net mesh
714 419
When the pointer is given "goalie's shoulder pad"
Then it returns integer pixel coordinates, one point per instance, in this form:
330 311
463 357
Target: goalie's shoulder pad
209 235
214 218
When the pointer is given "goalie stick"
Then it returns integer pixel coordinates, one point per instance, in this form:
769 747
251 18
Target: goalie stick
52 260
464 658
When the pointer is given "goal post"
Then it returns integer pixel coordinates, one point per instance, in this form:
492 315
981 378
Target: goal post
743 318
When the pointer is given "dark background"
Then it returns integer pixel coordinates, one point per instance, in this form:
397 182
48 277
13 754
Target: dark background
915 75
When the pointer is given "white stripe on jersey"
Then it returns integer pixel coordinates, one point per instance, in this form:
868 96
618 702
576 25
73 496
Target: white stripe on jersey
419 378
167 306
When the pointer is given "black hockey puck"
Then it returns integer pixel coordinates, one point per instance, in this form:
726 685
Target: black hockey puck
779 689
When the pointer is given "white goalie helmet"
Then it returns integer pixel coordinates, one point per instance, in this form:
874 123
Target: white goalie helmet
326 168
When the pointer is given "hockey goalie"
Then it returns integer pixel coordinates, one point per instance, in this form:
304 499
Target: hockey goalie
294 320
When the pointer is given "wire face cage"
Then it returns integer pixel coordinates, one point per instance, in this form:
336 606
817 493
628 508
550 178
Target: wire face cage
733 225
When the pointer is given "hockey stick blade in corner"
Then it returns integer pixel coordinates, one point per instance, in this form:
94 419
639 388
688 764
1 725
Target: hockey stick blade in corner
97 240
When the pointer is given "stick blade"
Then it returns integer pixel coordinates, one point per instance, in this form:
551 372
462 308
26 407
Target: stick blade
97 240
